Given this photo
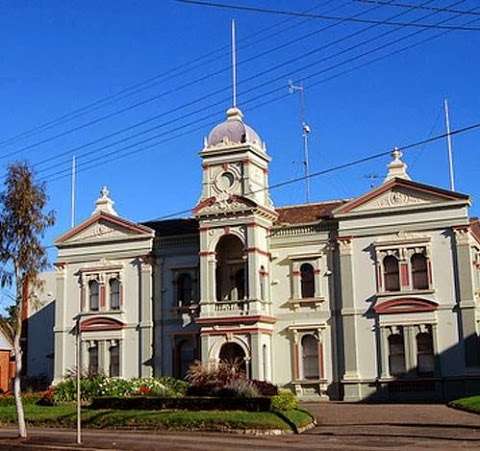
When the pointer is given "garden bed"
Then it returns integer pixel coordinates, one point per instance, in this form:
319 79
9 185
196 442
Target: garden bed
64 415
470 404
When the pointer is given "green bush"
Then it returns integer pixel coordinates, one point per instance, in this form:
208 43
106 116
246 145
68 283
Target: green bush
27 398
96 386
285 400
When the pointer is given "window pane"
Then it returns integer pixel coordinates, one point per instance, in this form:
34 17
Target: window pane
307 281
93 360
93 295
310 357
425 355
396 354
391 273
419 272
114 294
114 370
184 289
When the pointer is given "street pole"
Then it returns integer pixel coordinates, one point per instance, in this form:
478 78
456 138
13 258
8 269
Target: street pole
79 393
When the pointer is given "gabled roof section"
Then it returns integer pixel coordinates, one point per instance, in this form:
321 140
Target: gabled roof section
397 193
104 226
307 213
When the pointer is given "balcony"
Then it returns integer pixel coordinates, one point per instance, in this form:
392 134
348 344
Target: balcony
246 308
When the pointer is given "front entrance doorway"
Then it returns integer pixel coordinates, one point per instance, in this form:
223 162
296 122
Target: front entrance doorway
234 353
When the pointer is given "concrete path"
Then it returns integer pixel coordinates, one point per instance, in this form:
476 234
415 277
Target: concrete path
341 427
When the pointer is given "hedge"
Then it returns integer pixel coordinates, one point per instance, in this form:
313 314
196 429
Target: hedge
259 404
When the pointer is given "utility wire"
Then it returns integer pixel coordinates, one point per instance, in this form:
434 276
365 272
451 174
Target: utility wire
347 165
429 8
221 102
321 16
272 92
146 84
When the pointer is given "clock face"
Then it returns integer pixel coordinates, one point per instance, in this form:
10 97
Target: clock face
225 181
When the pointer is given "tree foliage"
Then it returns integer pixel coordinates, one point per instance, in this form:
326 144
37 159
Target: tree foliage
23 223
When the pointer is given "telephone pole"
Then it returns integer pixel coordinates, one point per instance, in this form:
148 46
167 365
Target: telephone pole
449 147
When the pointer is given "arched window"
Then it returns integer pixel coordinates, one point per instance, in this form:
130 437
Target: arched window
114 287
93 290
307 281
184 289
310 357
425 356
231 269
419 271
396 354
391 273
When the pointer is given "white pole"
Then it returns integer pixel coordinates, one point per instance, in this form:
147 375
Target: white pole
74 170
234 66
79 393
449 147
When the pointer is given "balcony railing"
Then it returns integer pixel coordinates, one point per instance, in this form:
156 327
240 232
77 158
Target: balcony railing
245 307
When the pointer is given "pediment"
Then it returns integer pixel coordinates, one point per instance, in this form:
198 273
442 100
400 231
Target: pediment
399 193
97 324
104 227
218 205
405 305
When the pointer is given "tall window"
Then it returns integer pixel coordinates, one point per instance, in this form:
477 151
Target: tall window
310 357
425 356
239 285
114 286
93 360
396 354
419 271
307 280
391 273
114 369
262 283
184 289
93 289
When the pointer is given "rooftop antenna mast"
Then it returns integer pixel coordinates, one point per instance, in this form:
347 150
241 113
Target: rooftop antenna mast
449 147
293 88
234 67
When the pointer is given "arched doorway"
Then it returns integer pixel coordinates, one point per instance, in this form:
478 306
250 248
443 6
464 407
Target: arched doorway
231 269
234 353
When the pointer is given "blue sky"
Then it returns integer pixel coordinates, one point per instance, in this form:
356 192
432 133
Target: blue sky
59 56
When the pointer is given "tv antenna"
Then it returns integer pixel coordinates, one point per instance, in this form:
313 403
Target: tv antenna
306 130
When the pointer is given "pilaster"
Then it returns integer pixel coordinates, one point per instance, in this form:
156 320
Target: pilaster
60 322
145 320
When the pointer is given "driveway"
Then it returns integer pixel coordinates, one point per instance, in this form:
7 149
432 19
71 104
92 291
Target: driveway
341 427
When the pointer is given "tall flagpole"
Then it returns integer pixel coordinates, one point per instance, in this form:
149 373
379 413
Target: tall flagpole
449 147
74 170
234 66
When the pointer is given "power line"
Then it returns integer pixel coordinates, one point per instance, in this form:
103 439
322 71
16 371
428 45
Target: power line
428 8
321 16
347 165
267 83
141 86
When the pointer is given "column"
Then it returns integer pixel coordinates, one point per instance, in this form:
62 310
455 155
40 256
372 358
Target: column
466 296
384 370
409 341
295 280
60 328
256 355
145 318
102 357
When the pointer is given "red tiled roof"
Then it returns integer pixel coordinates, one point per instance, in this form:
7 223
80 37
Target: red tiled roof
304 214
475 228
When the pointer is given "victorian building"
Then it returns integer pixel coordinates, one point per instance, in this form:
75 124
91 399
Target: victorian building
373 297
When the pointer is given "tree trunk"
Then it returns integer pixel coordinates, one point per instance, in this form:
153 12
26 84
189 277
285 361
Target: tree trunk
17 349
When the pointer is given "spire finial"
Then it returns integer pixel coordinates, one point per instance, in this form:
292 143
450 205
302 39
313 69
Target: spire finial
397 168
234 67
104 203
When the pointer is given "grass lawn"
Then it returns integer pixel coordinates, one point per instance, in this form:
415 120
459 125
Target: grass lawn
65 416
471 404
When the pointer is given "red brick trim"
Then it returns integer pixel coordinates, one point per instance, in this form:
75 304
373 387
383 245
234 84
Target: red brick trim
206 253
405 277
141 229
259 251
405 305
242 330
100 324
102 296
396 182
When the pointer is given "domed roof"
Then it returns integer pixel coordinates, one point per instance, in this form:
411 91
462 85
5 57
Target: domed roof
233 131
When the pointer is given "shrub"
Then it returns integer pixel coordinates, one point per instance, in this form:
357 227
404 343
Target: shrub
239 388
265 388
28 398
285 400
